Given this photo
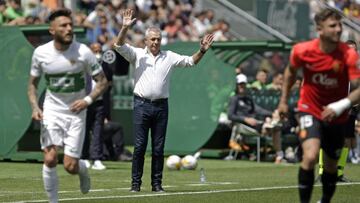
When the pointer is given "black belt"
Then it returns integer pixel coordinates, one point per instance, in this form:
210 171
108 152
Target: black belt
152 101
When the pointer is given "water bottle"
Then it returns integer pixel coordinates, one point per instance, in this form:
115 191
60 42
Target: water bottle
202 176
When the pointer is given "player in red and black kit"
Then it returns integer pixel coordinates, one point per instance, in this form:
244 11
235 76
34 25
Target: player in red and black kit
328 65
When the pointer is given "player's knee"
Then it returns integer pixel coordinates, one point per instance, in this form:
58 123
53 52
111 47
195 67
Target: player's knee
50 161
311 158
71 167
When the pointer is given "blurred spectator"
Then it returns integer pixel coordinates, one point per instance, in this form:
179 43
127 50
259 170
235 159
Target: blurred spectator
201 23
41 11
221 30
174 17
242 109
53 4
261 79
2 11
277 81
13 11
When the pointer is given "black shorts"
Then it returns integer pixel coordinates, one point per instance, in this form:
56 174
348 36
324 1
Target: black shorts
350 127
331 135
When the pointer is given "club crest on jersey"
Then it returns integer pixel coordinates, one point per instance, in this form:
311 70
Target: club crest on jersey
337 66
109 56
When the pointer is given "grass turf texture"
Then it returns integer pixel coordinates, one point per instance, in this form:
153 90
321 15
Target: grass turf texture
227 181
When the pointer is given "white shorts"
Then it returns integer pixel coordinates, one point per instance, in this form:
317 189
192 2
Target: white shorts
63 130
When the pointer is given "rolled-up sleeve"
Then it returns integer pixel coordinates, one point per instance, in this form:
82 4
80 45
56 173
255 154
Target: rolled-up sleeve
126 51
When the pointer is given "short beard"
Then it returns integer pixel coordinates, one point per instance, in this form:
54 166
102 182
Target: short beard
62 41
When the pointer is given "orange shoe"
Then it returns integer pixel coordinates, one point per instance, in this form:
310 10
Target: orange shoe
245 147
234 145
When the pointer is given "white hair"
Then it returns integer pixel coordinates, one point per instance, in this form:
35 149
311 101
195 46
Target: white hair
152 29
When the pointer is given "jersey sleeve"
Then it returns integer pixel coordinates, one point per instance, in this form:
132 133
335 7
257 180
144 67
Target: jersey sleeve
295 57
35 69
353 64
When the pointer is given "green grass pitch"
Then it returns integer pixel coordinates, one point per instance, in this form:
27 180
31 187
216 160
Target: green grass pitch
227 181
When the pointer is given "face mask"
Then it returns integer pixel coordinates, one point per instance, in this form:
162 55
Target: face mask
98 57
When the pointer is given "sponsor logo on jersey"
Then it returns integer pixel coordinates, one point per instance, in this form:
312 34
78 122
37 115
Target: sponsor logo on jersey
62 82
109 56
323 79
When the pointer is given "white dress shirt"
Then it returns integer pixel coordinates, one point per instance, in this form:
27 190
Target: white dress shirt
152 73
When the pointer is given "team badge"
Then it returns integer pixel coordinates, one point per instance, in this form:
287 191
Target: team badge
337 66
109 56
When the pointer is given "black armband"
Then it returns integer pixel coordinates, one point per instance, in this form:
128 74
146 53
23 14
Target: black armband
202 50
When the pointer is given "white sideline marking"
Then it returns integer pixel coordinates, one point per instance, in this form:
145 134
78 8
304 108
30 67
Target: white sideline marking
3 193
182 193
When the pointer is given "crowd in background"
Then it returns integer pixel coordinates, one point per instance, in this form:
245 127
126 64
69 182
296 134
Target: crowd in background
350 8
179 20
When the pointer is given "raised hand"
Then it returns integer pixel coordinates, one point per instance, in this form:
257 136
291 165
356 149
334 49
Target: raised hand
206 42
127 17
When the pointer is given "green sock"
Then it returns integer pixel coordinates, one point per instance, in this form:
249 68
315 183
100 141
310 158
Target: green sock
342 161
321 162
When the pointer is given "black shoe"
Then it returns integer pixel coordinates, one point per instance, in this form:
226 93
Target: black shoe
135 188
343 179
157 188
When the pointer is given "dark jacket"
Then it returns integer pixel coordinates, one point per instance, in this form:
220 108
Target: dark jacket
241 107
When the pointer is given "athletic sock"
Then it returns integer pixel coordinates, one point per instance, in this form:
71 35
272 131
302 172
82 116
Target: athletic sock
329 185
321 162
306 182
82 167
342 161
280 154
51 183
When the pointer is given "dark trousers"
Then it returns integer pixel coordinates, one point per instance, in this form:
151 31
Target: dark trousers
147 116
114 140
93 143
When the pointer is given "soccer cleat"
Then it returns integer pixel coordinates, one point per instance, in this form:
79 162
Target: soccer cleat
84 182
98 165
343 179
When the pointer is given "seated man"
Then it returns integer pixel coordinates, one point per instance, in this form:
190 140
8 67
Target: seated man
114 149
242 109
